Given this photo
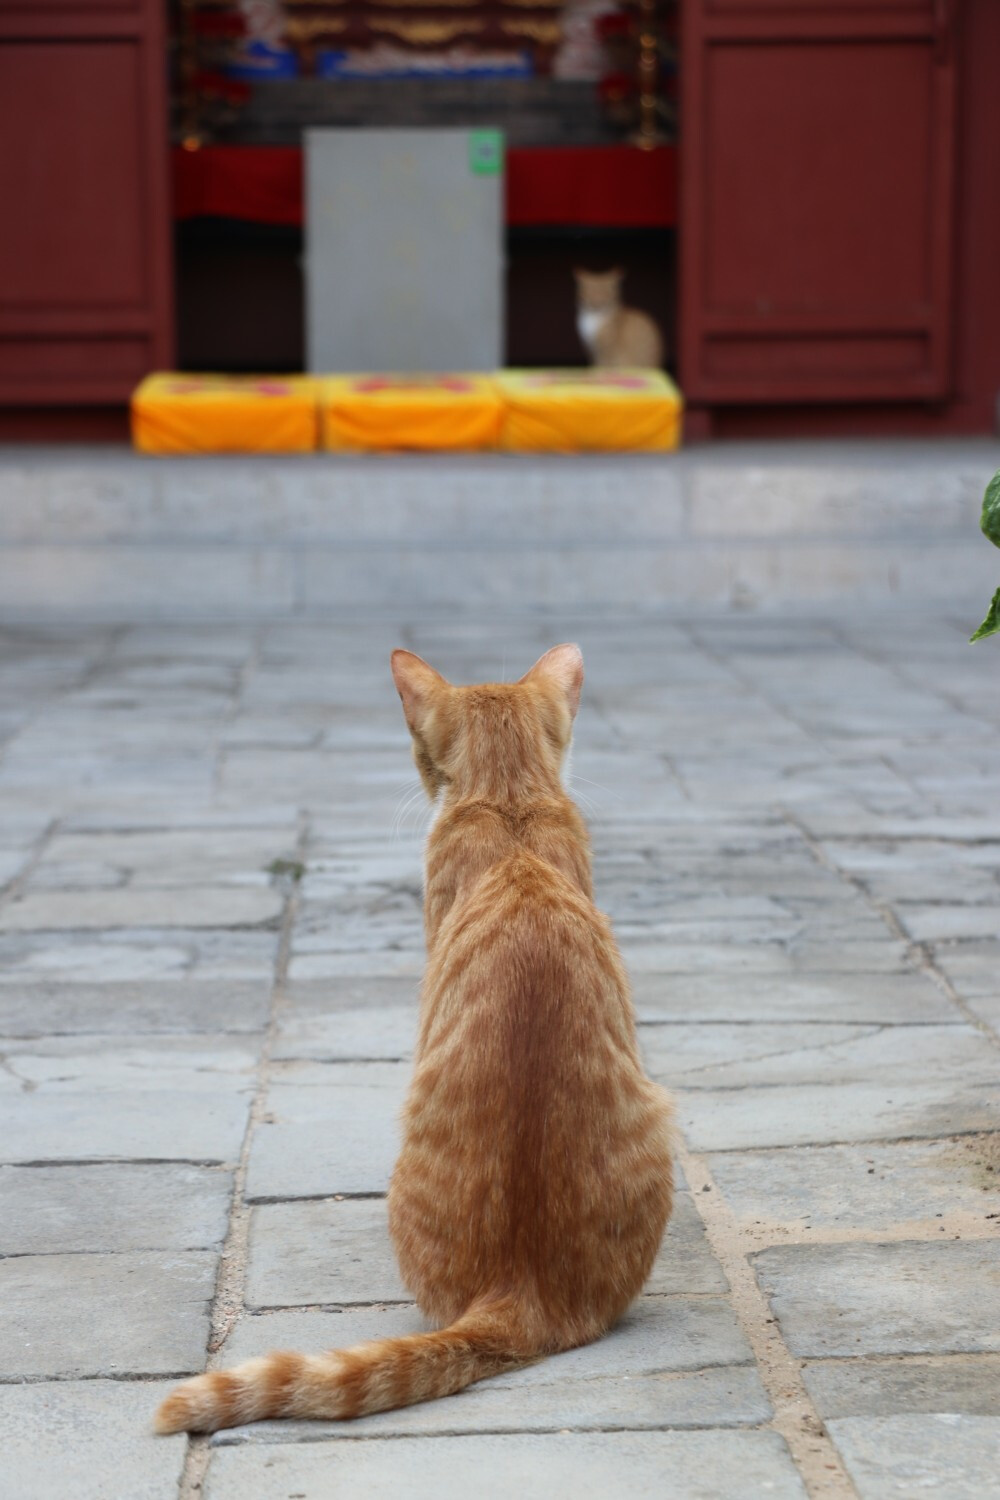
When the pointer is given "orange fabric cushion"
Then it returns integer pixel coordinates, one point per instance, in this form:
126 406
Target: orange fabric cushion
225 414
575 411
435 412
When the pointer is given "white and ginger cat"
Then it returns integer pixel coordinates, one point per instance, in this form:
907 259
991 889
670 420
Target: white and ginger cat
534 1183
615 336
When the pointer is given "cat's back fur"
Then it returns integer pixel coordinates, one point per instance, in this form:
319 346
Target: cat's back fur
615 336
534 1182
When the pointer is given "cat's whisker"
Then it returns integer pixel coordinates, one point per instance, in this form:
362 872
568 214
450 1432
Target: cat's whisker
400 827
417 815
575 776
406 801
395 812
403 788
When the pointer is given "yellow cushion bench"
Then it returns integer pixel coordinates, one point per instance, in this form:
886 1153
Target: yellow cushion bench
578 411
435 412
175 413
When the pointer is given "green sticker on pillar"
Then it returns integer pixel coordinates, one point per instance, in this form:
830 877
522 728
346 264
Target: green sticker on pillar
486 152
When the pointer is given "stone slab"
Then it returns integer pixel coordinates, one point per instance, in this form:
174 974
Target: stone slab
209 906
658 1335
889 1298
113 582
587 1465
31 1008
78 875
317 999
945 921
405 964
12 861
866 955
95 1435
685 1263
722 918
763 500
719 1056
894 1458
889 1387
139 954
200 1064
137 1313
973 968
386 1032
845 1187
124 1125
363 927
828 998
729 1396
922 884
329 1128
987 1008
154 814
906 822
322 1252
835 1112
46 1210
157 858
711 1055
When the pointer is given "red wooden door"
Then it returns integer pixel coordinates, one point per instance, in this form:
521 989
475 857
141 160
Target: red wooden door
816 199
85 267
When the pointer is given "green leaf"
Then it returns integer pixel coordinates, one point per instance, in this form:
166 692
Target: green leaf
991 625
991 510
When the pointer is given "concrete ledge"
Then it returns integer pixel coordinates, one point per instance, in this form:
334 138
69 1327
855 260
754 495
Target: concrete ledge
105 533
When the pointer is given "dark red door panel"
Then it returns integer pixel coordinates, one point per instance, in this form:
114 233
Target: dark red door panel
85 293
817 199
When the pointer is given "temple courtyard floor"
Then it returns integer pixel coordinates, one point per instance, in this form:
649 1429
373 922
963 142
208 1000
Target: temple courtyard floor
211 943
210 947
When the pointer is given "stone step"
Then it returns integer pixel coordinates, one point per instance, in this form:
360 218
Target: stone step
104 533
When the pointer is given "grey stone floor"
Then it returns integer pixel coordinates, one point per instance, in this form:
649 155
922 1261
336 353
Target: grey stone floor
210 943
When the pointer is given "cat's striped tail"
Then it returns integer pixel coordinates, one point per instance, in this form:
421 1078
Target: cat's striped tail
345 1383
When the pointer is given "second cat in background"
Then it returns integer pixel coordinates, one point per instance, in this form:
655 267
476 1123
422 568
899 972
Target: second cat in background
615 336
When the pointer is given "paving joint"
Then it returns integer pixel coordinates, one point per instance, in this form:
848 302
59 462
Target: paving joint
920 953
229 1299
795 1417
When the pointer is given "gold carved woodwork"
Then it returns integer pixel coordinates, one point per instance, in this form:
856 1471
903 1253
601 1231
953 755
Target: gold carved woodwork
423 33
545 32
308 28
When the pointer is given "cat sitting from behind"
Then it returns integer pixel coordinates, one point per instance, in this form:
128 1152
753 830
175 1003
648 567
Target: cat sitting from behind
615 336
534 1183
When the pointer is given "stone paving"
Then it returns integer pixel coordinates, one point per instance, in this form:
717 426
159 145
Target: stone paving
210 943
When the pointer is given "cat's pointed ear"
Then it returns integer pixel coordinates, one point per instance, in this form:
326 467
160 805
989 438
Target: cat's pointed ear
417 684
563 665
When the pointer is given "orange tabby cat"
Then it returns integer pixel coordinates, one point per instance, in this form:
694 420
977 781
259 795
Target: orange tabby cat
615 336
534 1184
